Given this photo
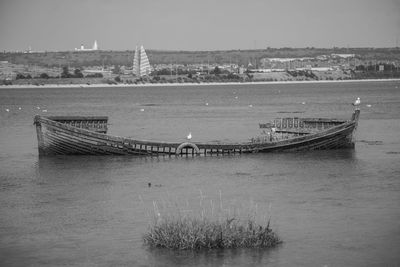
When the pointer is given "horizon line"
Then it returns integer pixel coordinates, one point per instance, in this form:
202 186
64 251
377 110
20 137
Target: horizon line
216 50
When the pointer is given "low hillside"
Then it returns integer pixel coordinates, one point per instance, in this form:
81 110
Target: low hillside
241 57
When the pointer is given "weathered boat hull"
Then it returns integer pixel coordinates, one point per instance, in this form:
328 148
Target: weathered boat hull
87 136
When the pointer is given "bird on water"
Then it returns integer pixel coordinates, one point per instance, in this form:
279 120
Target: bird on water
357 102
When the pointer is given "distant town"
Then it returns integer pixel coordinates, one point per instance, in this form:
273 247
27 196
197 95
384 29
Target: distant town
95 66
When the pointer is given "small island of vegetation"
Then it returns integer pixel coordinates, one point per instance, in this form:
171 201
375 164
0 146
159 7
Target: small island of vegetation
195 234
204 225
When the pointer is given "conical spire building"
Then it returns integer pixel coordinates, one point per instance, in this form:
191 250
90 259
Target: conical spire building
141 64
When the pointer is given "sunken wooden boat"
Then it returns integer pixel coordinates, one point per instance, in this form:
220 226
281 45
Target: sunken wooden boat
78 135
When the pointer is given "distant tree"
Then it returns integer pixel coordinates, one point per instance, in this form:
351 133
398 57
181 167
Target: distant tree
116 69
95 75
117 79
163 72
44 75
216 71
28 76
109 81
78 73
232 76
7 82
65 73
19 76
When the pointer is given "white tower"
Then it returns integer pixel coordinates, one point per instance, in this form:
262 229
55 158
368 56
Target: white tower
95 45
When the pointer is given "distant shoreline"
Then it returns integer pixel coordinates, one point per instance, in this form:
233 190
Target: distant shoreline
100 85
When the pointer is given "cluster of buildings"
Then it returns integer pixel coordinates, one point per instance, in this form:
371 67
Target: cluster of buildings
319 63
94 47
141 65
199 68
265 65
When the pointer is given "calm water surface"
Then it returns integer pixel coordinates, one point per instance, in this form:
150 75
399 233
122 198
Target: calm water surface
331 208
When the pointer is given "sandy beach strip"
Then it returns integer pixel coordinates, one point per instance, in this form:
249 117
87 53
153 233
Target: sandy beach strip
25 86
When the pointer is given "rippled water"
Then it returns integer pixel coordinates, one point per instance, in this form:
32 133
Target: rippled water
334 208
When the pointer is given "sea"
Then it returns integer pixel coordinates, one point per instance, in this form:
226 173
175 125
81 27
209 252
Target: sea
329 207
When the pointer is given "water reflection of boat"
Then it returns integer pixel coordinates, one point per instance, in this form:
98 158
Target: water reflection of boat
78 135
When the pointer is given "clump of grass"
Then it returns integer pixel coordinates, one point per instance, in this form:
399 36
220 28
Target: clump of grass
194 234
207 229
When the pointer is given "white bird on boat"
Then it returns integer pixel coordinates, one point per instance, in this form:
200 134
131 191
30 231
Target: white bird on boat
357 102
8 110
189 136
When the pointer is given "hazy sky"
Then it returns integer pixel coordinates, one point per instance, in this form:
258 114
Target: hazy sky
58 25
